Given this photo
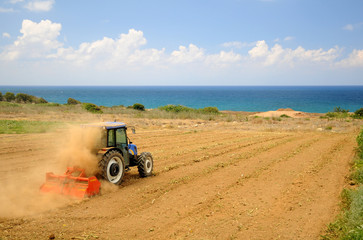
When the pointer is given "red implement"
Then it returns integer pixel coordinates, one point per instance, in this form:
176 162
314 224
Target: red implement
73 183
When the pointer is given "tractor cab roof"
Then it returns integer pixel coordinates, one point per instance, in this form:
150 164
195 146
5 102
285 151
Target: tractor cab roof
106 125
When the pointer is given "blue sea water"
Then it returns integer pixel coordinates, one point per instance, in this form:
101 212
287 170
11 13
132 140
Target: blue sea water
236 98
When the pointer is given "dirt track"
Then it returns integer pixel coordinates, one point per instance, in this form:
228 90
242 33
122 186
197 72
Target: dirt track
208 184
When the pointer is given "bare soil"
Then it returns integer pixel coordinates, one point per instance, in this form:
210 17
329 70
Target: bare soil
213 180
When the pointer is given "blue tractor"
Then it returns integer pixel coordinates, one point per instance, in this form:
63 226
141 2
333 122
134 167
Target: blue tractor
118 153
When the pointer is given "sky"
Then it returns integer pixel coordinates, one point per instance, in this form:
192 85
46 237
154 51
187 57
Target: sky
170 42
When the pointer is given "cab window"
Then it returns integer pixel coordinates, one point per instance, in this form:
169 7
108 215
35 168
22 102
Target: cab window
111 138
121 139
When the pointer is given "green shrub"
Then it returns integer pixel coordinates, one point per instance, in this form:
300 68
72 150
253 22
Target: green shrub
24 98
9 97
181 108
72 101
175 108
93 108
337 114
210 110
138 106
328 127
1 96
358 113
41 100
285 116
340 110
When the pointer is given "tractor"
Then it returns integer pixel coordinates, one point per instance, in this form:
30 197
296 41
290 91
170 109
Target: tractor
116 154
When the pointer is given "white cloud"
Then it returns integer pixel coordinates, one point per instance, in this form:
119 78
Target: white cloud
278 55
6 35
6 10
112 53
223 59
260 50
348 27
40 6
355 59
234 44
289 38
353 27
37 40
187 54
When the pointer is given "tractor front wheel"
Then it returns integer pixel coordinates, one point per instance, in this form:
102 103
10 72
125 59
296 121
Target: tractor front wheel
145 164
112 166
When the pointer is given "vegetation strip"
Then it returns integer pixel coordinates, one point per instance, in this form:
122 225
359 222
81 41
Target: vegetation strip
25 126
349 224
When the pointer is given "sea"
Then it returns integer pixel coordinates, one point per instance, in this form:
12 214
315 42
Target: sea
319 99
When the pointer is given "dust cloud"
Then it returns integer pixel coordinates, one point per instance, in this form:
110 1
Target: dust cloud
23 175
80 149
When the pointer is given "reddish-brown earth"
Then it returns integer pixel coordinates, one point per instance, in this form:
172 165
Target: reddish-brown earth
219 181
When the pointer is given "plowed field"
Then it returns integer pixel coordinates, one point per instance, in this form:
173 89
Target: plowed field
212 183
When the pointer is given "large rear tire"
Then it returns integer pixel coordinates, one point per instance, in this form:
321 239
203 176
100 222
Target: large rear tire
145 164
112 167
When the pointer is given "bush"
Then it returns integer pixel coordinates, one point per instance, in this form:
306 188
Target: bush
9 97
175 108
340 110
138 106
1 96
210 110
72 101
285 116
181 108
92 108
41 100
358 113
24 98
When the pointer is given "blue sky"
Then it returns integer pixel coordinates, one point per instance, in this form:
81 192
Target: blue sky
239 42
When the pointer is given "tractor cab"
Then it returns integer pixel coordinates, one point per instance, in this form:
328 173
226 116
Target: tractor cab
118 153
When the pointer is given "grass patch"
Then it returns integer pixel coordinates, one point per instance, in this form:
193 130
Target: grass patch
349 224
24 126
329 127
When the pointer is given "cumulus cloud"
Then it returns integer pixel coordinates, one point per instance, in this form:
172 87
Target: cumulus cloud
355 59
37 40
260 50
187 54
6 35
223 59
112 53
40 6
279 55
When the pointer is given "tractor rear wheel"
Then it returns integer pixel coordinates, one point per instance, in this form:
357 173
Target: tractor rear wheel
145 164
112 166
